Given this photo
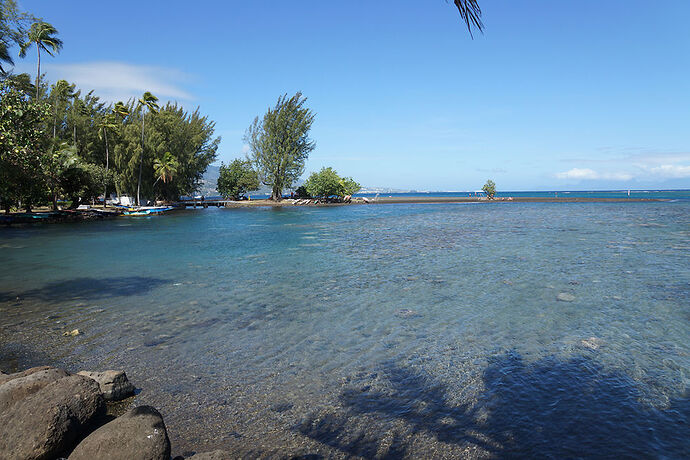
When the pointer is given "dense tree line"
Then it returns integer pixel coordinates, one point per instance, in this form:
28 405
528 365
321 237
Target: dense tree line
58 142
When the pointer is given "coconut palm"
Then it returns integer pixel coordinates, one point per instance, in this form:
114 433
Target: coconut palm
165 168
105 125
150 102
43 36
471 14
121 110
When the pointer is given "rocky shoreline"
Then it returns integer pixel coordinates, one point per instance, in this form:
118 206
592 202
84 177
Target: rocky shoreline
48 413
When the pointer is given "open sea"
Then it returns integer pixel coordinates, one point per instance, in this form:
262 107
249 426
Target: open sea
532 330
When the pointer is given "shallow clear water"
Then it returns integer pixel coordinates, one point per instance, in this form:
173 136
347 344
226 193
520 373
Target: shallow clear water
384 330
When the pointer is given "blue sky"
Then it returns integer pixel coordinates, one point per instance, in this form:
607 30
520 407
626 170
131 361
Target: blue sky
568 94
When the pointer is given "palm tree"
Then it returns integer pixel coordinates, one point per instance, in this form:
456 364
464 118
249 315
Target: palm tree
43 36
471 14
121 110
106 124
165 168
150 102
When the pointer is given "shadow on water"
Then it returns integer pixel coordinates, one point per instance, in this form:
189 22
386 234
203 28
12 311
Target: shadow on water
551 408
88 289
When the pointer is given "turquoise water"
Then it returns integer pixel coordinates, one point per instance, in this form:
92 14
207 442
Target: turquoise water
398 330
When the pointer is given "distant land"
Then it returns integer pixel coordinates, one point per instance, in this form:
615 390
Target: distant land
209 183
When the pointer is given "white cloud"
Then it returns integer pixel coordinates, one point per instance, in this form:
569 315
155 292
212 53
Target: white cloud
115 81
578 173
245 148
671 171
641 167
590 174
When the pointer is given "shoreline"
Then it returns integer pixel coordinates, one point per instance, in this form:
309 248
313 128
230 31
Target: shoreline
99 213
442 200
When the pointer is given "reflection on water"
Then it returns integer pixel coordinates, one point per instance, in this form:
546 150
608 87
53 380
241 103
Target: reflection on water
377 331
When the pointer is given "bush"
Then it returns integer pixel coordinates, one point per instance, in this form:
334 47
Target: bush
489 188
327 183
236 179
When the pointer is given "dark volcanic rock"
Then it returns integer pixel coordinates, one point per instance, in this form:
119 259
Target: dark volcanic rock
214 455
7 377
114 384
19 388
47 423
139 434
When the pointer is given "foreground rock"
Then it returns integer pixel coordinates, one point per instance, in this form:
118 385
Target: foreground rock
114 384
215 455
138 434
27 383
48 422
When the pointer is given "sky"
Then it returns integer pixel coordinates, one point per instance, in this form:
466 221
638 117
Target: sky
555 95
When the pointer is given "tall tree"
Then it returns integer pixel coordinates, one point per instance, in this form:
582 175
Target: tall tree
150 102
471 14
60 94
279 143
107 124
43 35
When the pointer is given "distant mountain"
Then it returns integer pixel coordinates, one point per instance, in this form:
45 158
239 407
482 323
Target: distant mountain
209 181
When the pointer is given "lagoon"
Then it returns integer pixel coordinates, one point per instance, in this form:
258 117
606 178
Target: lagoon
419 330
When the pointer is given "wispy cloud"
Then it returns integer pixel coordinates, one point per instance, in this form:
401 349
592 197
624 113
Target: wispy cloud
590 174
642 166
115 81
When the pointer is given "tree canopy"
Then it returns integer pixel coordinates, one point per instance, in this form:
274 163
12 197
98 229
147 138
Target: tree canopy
236 179
489 188
279 143
327 183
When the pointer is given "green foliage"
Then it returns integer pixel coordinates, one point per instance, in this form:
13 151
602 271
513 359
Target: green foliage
236 179
13 25
187 136
279 143
301 192
165 168
489 188
22 146
327 183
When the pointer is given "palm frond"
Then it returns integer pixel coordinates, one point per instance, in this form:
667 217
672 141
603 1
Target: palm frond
471 14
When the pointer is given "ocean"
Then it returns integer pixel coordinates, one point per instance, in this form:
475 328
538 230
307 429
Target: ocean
399 330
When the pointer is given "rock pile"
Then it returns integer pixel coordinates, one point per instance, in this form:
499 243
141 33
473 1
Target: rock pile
48 413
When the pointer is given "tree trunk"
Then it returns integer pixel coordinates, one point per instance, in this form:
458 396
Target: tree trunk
141 157
55 200
107 164
38 72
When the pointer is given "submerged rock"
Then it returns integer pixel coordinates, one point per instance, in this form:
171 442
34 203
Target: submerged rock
113 384
138 434
406 313
565 297
47 423
27 383
593 343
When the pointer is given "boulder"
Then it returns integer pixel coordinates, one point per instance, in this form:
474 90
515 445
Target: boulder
214 455
19 388
139 434
7 377
48 423
114 384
